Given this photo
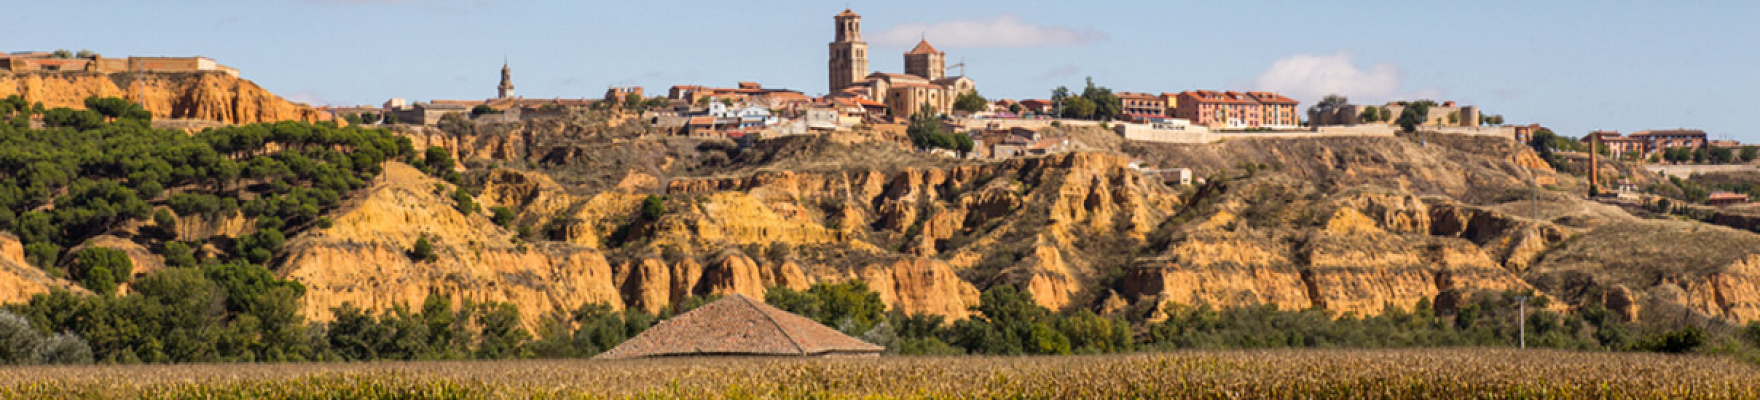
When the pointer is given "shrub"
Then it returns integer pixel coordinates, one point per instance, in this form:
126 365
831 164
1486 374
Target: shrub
502 215
179 255
101 269
465 203
1676 341
653 207
42 254
422 251
21 344
165 221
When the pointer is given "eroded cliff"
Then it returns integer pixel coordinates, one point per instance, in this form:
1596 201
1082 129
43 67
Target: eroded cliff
208 96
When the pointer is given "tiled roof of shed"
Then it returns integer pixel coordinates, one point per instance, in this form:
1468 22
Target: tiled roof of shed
737 325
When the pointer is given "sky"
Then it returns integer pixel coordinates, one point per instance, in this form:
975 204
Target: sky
1574 66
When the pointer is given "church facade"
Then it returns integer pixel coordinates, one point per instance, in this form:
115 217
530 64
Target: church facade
924 81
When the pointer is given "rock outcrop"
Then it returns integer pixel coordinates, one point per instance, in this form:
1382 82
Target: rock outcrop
364 258
19 280
208 96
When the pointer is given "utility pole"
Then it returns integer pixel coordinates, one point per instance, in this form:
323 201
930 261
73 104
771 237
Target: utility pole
1522 322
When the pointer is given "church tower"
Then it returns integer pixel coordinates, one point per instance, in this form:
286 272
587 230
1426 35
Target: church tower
925 61
505 91
849 54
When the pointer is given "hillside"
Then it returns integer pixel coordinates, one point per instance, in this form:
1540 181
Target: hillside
1346 224
208 96
558 224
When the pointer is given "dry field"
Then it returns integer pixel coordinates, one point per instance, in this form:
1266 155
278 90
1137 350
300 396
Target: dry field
1447 373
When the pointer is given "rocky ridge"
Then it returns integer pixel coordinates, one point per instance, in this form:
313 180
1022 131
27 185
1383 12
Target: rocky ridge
208 96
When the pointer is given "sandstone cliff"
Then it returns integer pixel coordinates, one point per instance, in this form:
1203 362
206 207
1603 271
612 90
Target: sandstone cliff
209 96
19 280
364 257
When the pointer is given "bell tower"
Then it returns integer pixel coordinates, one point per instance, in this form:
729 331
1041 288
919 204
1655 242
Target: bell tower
505 90
849 54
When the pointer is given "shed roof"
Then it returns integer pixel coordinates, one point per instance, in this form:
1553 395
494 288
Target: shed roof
738 325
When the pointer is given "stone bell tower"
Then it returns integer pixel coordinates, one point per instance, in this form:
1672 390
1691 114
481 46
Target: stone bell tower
849 54
505 91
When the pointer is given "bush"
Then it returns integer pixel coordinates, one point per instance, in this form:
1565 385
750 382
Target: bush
502 215
1676 341
42 254
165 221
179 255
22 344
101 269
422 251
100 280
464 202
653 207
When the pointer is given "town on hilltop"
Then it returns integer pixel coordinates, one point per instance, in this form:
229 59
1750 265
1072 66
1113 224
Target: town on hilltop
964 124
164 210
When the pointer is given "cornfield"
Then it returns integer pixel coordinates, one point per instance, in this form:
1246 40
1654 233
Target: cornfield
1414 373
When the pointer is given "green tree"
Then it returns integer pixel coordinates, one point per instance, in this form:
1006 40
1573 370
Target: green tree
422 251
848 306
165 221
1106 104
502 215
1370 114
83 120
117 108
970 102
179 255
1079 107
501 335
101 268
1415 114
438 160
632 101
463 201
1327 105
483 109
653 207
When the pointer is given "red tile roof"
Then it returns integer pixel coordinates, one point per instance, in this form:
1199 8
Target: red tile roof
923 47
737 325
847 13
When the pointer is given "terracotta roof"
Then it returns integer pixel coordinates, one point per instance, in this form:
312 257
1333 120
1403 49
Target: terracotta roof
847 13
1137 96
737 325
1721 195
1273 98
923 47
1690 132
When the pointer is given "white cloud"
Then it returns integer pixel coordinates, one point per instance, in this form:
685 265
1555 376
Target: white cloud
1309 77
309 97
1006 30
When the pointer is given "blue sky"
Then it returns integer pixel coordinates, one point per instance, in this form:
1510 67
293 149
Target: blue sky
1572 65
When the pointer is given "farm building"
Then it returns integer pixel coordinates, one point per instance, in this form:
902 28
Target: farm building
739 326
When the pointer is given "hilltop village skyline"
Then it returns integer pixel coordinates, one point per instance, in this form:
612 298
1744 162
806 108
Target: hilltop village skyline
1534 62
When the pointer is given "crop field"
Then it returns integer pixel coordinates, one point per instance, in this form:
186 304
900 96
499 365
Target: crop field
1428 373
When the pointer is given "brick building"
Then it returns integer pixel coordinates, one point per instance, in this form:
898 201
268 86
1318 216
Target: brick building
1141 104
1230 109
1647 142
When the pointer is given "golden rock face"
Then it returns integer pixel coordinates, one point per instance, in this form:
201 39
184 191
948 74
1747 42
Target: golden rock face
207 96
